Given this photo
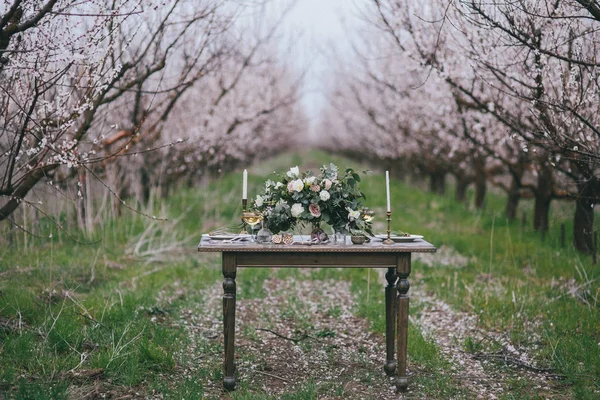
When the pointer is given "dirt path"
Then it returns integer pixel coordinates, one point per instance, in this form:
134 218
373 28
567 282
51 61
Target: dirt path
486 375
334 348
331 346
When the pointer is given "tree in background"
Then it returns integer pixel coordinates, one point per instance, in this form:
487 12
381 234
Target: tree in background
90 89
514 84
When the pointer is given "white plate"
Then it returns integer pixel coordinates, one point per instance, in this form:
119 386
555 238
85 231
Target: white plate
399 239
241 236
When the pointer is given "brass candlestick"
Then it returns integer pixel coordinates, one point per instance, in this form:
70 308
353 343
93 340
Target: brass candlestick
244 225
389 232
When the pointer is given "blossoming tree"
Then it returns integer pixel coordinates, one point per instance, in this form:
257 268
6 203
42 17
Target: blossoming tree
521 79
91 89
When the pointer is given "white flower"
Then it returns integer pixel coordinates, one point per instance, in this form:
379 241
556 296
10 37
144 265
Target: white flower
352 215
296 186
293 172
324 195
278 185
310 180
259 201
297 210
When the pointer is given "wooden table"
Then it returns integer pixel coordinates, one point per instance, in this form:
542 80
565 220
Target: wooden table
395 257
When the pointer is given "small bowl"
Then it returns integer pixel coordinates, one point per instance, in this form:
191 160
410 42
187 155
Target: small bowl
358 239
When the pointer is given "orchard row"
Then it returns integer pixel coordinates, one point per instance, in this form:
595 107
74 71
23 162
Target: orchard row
500 93
124 96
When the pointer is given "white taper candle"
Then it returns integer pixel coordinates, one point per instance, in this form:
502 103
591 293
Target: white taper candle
387 190
245 185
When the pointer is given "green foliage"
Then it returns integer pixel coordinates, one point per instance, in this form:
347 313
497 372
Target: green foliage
41 391
187 389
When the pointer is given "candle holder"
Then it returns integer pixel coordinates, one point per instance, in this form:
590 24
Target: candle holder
389 230
244 224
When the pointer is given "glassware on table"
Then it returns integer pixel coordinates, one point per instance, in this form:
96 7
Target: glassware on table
339 238
264 235
251 218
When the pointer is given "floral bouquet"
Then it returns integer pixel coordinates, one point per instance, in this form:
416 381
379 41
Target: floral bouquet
298 198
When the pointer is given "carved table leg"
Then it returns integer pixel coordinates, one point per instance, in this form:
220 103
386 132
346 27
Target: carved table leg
403 286
390 321
229 272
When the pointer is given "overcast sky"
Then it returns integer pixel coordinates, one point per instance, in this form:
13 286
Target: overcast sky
318 28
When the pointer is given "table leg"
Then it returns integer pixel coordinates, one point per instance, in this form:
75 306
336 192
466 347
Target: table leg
402 332
229 286
390 321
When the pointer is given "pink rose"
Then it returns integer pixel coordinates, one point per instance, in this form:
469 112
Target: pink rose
327 183
291 186
315 188
315 210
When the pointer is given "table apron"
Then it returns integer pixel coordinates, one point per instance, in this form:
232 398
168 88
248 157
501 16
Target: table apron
314 260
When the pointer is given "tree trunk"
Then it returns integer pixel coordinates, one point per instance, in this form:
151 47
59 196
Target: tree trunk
583 223
11 236
514 192
82 216
401 169
543 198
21 191
146 185
480 182
512 203
416 171
119 189
437 182
462 184
480 190
541 213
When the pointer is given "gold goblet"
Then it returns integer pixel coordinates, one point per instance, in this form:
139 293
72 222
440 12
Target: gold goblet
251 218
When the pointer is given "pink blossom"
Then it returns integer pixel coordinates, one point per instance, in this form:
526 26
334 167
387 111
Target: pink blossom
315 210
315 188
327 184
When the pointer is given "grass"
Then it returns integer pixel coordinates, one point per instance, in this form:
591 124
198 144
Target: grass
69 308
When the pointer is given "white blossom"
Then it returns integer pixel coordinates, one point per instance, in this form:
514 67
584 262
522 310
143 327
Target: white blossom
310 180
294 172
352 214
296 185
297 210
259 201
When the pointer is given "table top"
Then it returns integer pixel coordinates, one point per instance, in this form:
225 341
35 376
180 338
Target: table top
301 244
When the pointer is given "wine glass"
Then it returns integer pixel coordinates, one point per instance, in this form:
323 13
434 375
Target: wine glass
251 218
